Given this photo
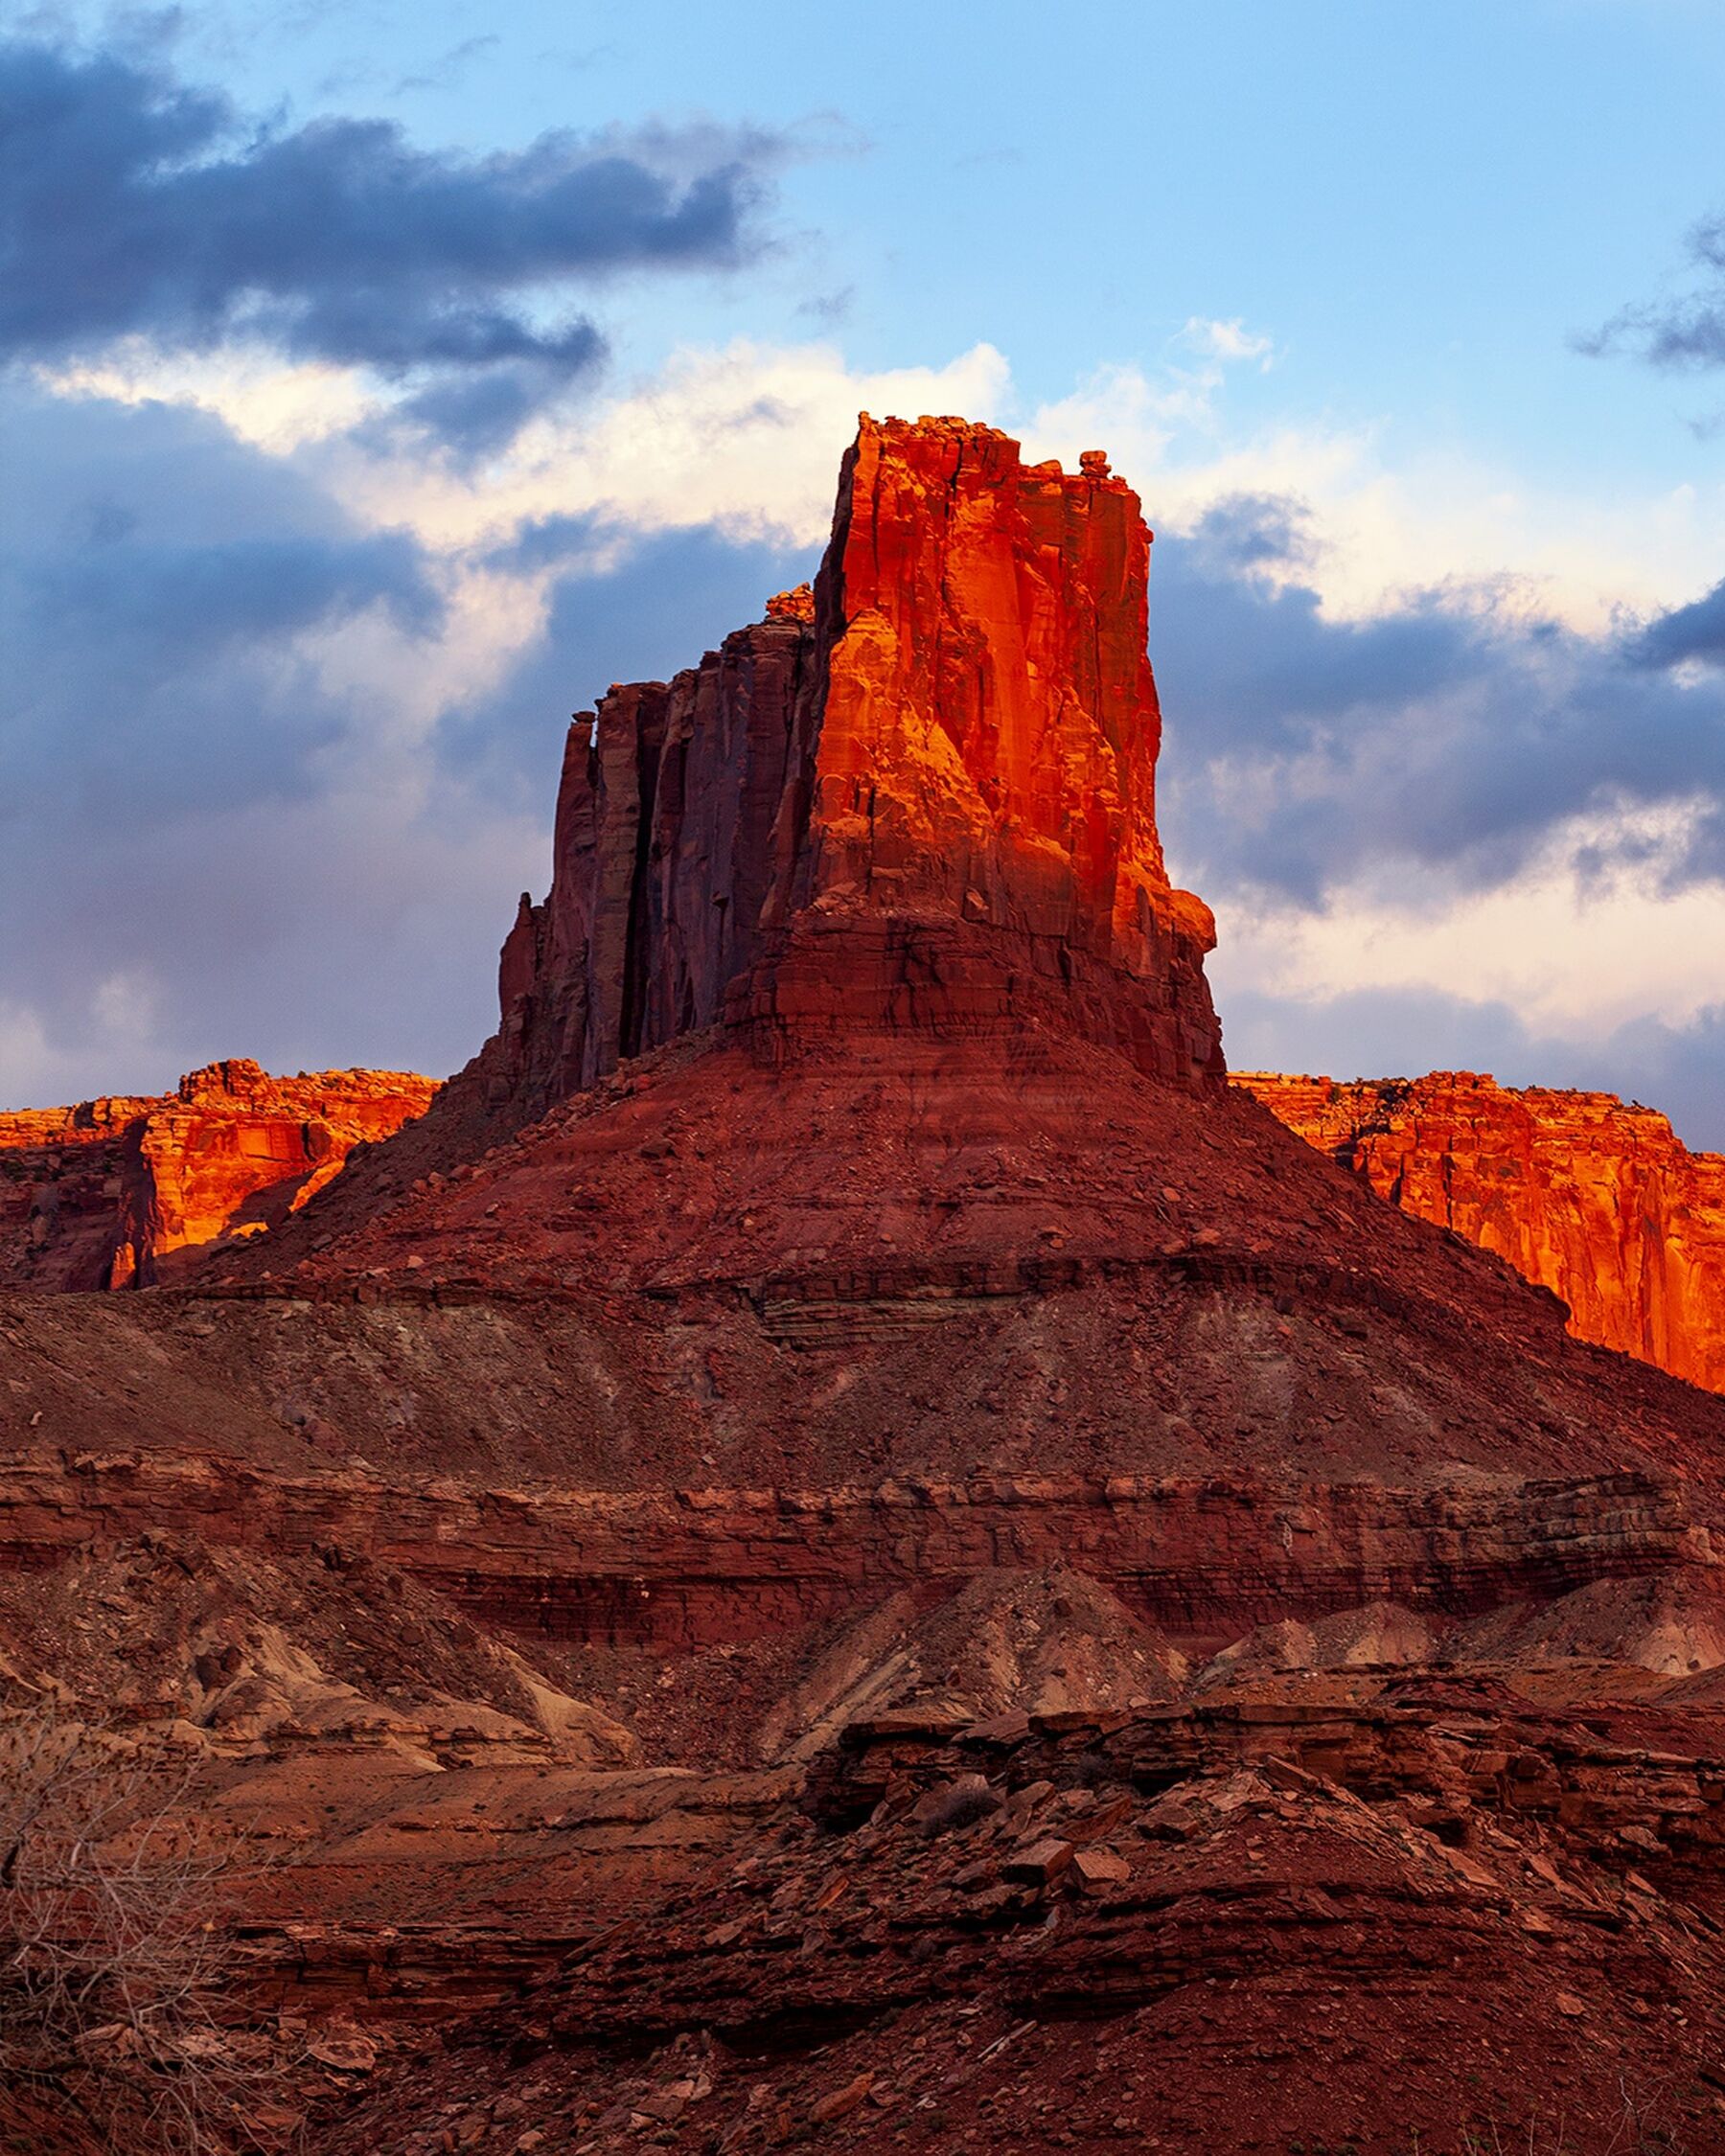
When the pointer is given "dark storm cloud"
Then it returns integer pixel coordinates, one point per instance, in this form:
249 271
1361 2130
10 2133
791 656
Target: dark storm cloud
131 202
472 414
1696 631
139 604
1686 330
155 578
171 752
230 825
1306 751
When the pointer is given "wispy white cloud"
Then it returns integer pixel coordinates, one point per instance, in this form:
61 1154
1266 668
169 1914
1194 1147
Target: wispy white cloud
1385 523
1574 946
1230 340
275 405
745 438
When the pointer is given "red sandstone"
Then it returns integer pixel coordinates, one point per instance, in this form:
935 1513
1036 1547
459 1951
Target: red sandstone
121 1192
928 1570
923 795
1599 1201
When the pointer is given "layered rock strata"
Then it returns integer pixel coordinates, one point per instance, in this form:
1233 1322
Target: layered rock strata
1596 1200
121 1192
920 796
1438 1918
678 1571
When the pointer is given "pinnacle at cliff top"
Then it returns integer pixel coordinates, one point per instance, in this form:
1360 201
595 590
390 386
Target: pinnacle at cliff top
920 794
1092 464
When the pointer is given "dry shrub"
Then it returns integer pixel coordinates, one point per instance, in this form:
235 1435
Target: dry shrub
117 1946
955 1805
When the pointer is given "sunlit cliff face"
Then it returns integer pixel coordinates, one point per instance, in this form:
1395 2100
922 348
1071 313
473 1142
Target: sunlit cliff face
956 739
1599 1201
119 1192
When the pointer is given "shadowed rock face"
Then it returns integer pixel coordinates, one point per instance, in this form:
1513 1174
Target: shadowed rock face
921 797
118 1192
60 1182
1598 1202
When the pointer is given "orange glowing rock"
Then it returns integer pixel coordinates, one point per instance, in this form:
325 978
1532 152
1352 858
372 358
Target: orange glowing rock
920 796
122 1192
1598 1201
989 727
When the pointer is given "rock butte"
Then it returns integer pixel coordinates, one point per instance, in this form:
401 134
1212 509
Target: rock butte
920 796
1598 1202
843 1543
124 1191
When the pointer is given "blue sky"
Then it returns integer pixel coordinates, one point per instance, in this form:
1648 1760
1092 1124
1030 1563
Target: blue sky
382 384
1420 204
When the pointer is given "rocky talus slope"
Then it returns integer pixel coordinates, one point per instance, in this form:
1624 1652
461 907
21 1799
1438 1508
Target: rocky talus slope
1599 1200
122 1192
843 1544
1202 1927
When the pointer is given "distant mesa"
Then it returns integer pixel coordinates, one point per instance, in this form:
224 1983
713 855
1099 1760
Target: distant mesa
1598 1202
126 1191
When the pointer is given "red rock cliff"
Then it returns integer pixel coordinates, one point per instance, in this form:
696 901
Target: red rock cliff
119 1192
1599 1201
61 1175
922 797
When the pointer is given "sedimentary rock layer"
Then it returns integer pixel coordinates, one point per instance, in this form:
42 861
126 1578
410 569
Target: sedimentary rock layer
119 1192
920 796
679 1569
1443 1919
845 1296
1599 1200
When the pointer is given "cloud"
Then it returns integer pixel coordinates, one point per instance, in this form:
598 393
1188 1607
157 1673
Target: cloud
141 207
613 612
1229 340
260 399
1693 632
223 821
745 439
450 68
160 588
273 778
1403 1033
1383 520
1588 936
1443 734
284 792
1685 331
